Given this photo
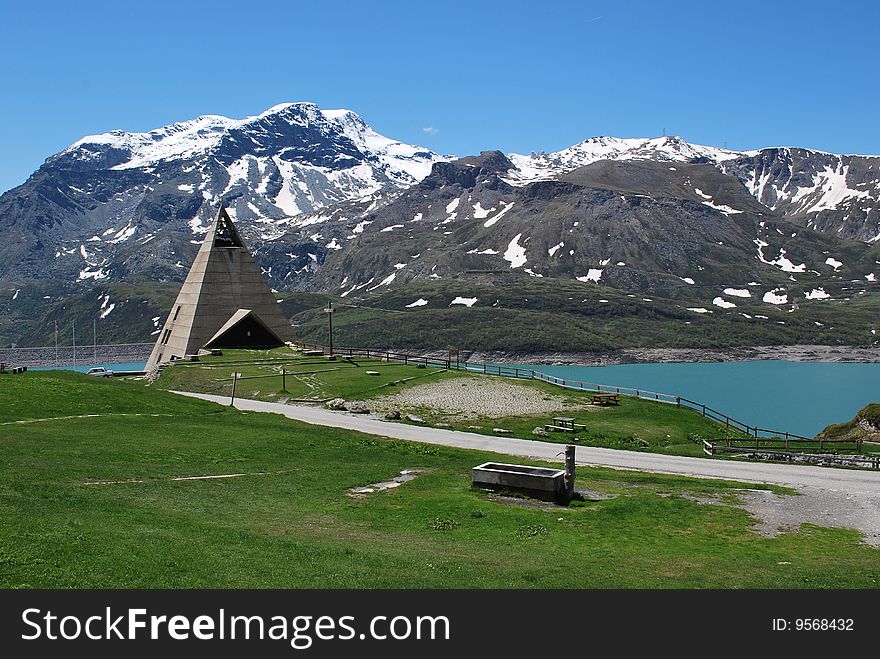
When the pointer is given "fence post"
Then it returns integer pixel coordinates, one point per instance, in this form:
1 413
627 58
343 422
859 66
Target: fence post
283 380
232 399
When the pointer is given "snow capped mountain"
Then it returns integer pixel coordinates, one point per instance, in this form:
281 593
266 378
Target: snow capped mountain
304 184
833 193
837 194
328 204
112 203
293 156
179 141
544 166
187 140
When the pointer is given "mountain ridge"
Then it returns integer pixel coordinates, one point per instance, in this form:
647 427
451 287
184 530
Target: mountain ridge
329 205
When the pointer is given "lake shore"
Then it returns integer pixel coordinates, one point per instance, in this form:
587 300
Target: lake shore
793 353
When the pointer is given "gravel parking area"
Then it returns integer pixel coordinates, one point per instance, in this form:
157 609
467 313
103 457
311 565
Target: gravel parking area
477 397
775 514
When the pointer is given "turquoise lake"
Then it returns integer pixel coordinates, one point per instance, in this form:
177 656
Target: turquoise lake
797 397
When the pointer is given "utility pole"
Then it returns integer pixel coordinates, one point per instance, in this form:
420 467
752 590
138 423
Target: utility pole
329 312
95 341
74 345
56 344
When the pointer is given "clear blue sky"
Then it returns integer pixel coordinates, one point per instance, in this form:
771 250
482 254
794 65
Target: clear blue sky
517 76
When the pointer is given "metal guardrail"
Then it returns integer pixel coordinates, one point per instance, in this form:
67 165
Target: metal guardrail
759 443
531 374
867 461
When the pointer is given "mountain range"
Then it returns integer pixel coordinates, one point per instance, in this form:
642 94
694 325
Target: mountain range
329 206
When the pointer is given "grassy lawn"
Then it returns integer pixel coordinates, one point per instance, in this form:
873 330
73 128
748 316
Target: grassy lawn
634 424
48 394
316 379
289 522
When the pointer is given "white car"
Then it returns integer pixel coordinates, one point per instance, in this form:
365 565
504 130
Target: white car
100 371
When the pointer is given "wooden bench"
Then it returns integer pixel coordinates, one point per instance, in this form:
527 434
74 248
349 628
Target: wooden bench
564 424
606 399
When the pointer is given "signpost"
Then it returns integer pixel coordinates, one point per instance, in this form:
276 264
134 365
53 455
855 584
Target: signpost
235 377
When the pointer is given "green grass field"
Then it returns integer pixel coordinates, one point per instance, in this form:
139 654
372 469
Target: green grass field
289 522
635 424
315 379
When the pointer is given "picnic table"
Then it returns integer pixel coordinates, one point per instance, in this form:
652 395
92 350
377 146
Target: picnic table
606 399
564 424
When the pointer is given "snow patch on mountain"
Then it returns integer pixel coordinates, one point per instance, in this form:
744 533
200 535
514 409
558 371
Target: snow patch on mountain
593 274
515 253
480 212
781 261
738 292
724 208
817 294
492 220
828 191
776 296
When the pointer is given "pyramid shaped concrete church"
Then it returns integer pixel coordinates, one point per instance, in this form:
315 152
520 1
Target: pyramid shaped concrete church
224 303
